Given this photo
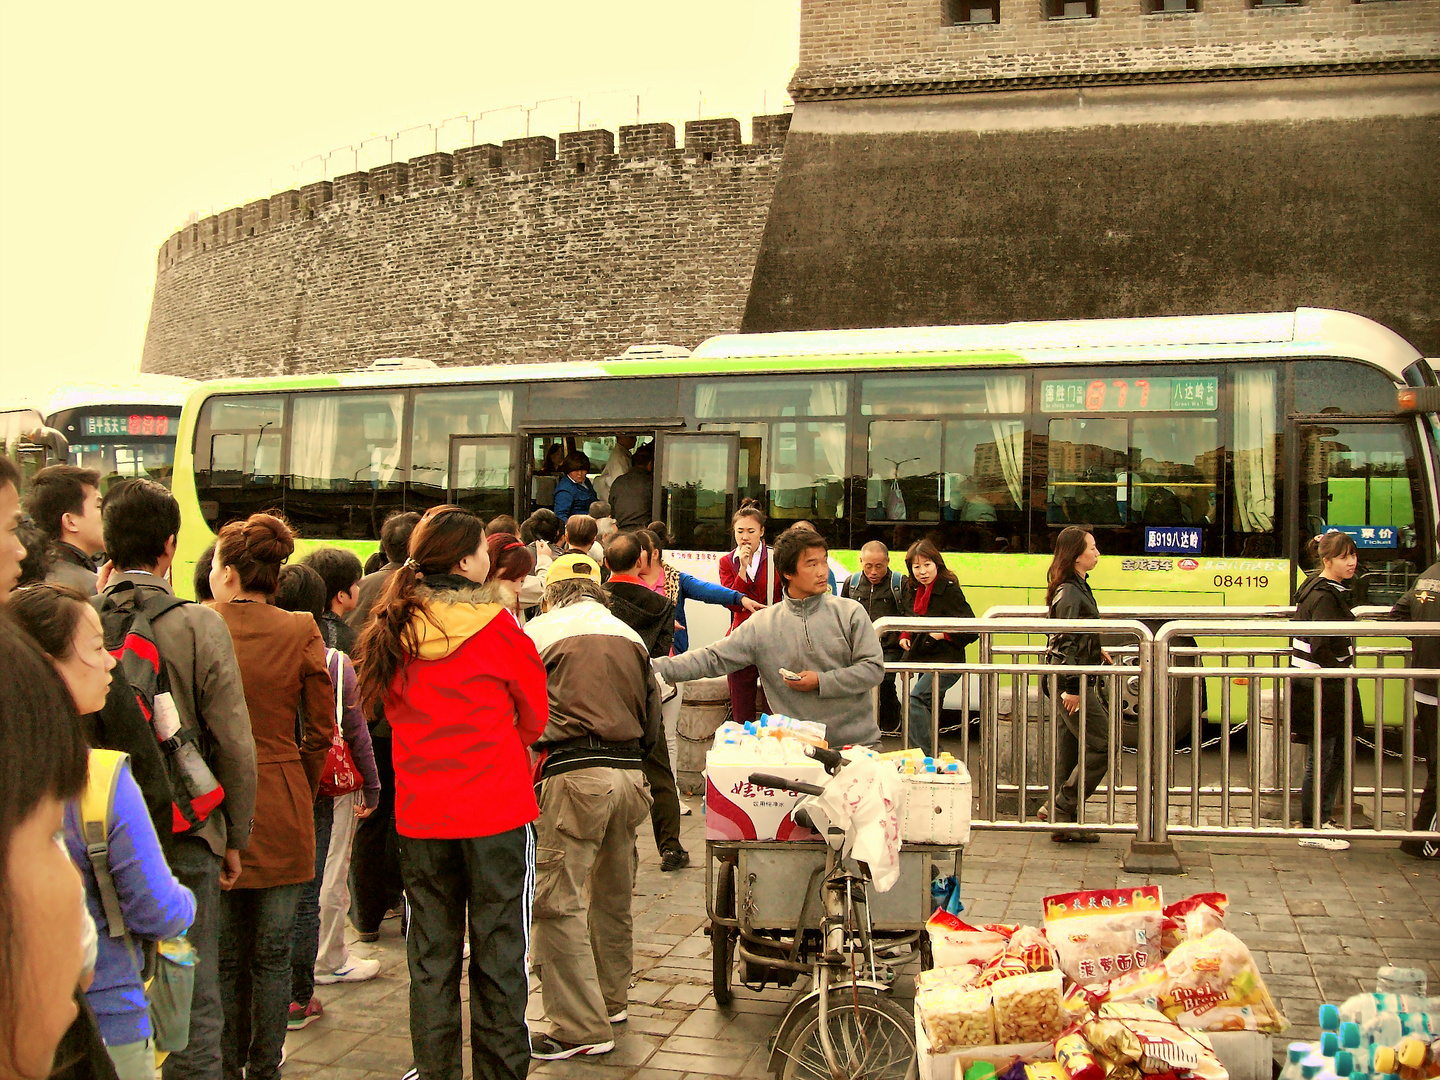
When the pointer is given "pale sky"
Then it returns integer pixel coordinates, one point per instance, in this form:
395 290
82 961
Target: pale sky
120 120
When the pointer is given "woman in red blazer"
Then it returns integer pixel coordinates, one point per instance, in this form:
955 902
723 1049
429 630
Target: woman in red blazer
750 571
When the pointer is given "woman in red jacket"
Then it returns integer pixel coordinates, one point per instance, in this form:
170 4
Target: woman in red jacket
751 572
464 691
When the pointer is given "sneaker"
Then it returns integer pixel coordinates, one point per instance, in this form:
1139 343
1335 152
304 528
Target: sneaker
367 936
302 1016
1075 836
1326 843
620 1017
674 859
411 1073
357 970
685 810
549 1048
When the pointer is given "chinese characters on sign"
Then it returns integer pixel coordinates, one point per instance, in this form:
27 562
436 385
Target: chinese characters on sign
1370 536
1195 394
1175 540
135 424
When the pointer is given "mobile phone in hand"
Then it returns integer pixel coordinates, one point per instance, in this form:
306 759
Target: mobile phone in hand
788 675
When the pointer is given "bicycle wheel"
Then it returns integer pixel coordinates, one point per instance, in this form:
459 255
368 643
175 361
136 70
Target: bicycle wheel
722 938
874 1039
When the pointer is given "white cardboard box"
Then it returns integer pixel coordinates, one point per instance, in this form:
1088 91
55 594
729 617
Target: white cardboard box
736 809
937 808
1246 1055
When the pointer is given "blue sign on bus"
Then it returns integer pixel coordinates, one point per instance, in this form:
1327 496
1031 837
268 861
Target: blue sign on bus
1173 539
1370 536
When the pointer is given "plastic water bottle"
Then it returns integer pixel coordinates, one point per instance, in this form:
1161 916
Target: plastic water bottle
1344 1064
1295 1055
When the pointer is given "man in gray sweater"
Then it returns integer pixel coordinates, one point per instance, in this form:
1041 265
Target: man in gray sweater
818 654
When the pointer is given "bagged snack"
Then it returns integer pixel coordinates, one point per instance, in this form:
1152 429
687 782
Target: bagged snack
1193 917
1076 1058
1075 1007
1212 984
1044 1070
954 941
1098 935
1138 1035
1027 1007
962 975
956 1016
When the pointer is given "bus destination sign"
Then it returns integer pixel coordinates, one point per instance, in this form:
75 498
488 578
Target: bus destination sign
134 424
1194 394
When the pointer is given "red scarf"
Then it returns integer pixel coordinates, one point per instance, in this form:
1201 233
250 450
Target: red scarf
922 598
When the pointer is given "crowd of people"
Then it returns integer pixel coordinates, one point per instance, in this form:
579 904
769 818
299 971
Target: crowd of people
474 732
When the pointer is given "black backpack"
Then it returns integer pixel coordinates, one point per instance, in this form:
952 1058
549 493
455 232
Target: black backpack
128 620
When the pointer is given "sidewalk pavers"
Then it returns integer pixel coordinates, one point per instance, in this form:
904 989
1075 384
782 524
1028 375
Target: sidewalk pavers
1318 924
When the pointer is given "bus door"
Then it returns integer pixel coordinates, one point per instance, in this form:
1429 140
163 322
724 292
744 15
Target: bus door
482 474
1363 476
697 488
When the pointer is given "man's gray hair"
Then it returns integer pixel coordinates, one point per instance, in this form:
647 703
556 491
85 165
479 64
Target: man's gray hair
572 591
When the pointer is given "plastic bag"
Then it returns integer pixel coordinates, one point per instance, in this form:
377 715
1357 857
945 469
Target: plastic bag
867 799
1139 1036
1027 1007
1098 935
1193 917
1212 984
956 1016
954 941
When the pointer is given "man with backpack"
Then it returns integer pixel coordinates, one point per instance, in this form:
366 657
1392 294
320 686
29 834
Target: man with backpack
182 664
882 592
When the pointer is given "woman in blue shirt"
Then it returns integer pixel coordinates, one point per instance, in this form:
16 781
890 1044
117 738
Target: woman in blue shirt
153 904
573 492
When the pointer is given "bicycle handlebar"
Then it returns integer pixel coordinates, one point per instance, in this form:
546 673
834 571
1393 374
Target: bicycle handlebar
767 780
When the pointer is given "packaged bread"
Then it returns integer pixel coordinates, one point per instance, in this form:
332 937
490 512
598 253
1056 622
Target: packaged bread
1027 1007
954 942
961 975
1212 984
1138 1035
955 1016
1100 934
1193 917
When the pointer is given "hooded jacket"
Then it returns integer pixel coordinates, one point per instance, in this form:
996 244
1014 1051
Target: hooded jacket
467 702
604 702
827 634
1321 600
648 613
1422 604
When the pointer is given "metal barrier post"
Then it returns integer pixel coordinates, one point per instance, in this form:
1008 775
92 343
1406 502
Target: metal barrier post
1151 852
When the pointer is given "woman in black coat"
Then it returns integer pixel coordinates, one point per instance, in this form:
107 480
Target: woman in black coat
1324 597
936 594
1068 596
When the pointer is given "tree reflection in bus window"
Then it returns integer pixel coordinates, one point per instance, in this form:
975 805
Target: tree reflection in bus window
1088 472
807 475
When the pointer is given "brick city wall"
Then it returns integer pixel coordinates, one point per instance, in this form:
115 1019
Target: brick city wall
920 228
520 252
879 46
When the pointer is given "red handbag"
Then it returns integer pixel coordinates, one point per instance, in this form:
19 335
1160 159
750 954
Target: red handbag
339 776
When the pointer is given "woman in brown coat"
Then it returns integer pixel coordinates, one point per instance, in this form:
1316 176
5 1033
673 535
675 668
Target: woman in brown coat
282 666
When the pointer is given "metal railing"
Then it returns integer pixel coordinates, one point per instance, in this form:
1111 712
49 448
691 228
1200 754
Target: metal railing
1165 691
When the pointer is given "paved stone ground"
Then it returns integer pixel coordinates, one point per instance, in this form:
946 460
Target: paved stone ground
1319 925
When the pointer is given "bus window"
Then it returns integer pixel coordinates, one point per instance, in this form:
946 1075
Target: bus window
1176 470
941 393
237 456
345 456
1254 464
1365 480
1088 472
438 415
771 397
1342 386
807 474
905 468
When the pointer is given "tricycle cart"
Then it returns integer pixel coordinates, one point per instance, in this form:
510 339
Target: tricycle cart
787 908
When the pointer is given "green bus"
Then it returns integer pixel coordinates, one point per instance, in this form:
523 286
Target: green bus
1203 450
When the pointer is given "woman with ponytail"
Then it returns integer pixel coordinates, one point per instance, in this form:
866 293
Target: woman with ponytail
282 667
464 692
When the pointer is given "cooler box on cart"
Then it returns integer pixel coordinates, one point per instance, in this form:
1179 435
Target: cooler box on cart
937 808
736 809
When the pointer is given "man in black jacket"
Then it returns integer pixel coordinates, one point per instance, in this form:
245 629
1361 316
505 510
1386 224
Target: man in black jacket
1422 604
652 616
883 593
64 501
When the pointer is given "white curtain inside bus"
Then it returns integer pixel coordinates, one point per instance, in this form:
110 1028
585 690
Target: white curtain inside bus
1006 394
1256 429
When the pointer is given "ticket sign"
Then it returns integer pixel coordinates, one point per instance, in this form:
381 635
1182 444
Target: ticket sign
1173 539
1194 394
1369 536
133 424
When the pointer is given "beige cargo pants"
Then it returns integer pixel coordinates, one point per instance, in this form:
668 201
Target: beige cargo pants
585 876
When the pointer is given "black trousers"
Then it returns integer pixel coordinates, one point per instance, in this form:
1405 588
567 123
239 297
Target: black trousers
665 810
375 885
1425 817
493 878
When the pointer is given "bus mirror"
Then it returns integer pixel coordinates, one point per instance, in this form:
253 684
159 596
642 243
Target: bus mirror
1420 399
